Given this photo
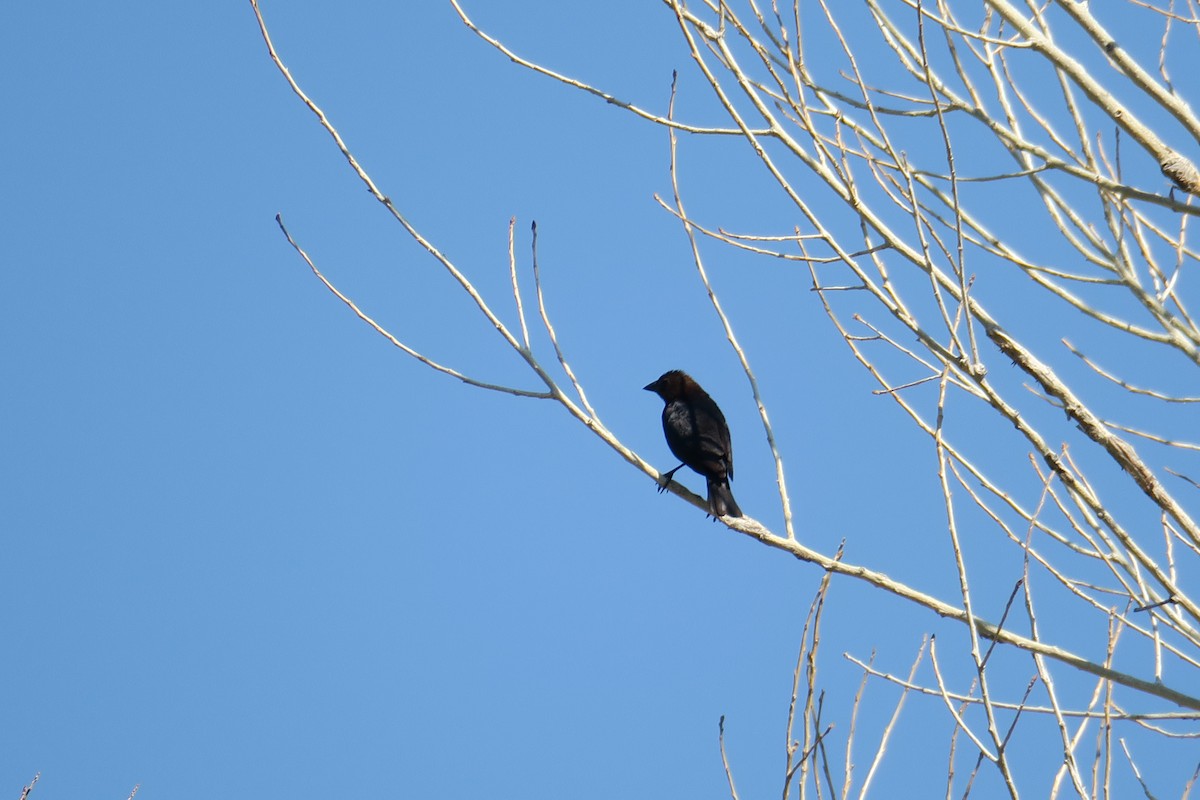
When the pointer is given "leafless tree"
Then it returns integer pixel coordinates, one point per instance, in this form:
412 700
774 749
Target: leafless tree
900 153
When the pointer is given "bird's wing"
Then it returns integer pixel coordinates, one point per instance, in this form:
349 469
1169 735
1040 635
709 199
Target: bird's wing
714 432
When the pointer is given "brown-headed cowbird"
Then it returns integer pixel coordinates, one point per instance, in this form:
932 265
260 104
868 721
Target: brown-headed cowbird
698 436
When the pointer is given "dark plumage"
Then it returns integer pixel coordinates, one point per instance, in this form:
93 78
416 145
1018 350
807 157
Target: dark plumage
698 435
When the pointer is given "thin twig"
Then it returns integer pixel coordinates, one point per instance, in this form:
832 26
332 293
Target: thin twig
725 759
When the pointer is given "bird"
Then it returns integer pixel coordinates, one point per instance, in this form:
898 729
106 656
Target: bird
698 435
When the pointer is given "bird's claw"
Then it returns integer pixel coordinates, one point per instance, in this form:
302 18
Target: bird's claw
664 480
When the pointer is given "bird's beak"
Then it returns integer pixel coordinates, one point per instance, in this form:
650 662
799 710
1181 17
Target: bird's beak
650 387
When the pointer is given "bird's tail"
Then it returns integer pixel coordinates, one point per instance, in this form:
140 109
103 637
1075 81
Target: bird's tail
720 499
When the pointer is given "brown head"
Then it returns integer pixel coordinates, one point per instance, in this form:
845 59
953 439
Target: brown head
672 385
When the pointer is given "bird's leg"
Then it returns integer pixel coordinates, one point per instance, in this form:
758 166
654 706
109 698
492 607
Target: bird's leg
665 480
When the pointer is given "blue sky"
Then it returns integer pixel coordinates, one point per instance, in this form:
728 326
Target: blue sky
252 547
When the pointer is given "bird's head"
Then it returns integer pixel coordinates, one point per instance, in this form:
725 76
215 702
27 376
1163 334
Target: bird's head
671 385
